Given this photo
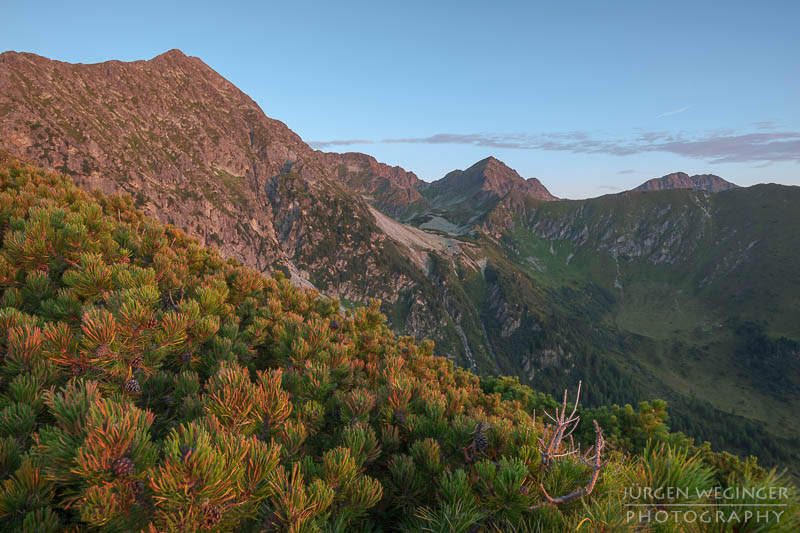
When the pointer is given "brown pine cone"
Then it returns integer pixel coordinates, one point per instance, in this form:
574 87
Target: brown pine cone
481 442
137 361
102 351
123 467
213 514
151 323
132 386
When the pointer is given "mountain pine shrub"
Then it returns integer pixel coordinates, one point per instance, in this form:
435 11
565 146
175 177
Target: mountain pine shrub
148 384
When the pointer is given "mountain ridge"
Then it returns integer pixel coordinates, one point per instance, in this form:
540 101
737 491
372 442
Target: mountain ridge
681 180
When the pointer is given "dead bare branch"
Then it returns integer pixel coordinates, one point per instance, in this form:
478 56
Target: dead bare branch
564 426
595 462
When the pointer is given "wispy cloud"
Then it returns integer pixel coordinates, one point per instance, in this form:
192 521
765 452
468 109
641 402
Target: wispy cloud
628 171
674 111
766 124
344 142
720 146
609 187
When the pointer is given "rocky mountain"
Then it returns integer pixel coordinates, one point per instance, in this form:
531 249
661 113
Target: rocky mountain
191 148
196 152
461 196
393 190
488 179
681 180
654 295
459 200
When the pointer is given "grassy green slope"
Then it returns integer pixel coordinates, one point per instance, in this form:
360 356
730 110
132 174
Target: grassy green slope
679 294
688 294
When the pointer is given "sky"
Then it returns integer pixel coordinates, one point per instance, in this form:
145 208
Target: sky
589 97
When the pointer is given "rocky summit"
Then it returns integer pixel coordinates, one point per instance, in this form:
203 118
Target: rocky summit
489 178
681 180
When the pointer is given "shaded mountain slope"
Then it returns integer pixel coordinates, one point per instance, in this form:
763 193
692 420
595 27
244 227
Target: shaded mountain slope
683 289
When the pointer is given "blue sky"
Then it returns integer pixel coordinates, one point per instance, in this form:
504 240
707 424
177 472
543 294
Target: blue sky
590 97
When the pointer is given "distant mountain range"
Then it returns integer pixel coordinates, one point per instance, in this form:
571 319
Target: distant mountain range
681 180
684 288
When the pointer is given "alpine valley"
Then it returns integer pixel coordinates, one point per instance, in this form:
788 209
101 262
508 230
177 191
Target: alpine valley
685 288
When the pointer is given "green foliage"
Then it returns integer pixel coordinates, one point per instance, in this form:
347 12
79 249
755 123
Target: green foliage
150 385
629 428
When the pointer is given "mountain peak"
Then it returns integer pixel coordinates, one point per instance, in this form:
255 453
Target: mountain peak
488 178
493 166
490 161
171 53
175 56
681 180
494 176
